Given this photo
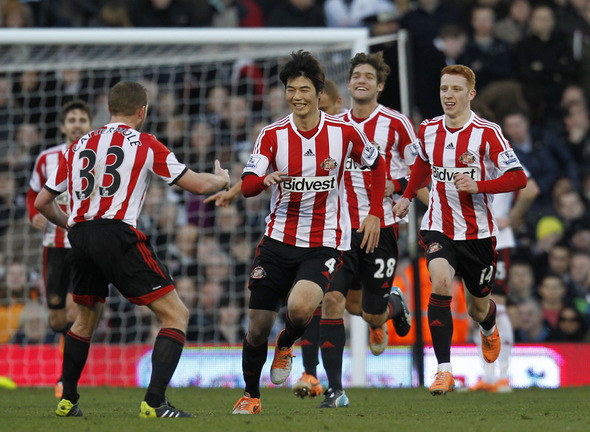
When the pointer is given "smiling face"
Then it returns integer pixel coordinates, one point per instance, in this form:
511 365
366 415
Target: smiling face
455 96
76 124
302 97
363 84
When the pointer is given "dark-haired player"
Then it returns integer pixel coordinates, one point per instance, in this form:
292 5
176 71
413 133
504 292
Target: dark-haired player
302 158
75 121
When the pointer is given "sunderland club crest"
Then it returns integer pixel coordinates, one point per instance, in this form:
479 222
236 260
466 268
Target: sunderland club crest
467 158
258 273
329 164
434 247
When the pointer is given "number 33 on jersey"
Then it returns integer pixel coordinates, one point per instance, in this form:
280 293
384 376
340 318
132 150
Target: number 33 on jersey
103 174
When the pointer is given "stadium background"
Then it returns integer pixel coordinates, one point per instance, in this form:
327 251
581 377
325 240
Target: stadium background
209 102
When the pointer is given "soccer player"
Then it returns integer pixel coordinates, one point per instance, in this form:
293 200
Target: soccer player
106 174
308 384
393 135
330 103
509 209
302 158
76 120
470 161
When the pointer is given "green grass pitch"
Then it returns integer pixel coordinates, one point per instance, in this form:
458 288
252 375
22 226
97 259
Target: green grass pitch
372 410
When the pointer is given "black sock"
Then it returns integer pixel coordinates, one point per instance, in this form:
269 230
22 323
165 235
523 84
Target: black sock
253 358
165 357
310 344
394 306
490 319
75 356
440 320
333 338
291 333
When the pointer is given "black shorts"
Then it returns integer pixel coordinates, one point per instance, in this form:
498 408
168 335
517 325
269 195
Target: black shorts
277 267
57 272
473 260
110 251
502 268
373 272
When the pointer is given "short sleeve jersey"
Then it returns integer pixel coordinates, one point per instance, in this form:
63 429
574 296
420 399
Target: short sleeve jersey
479 150
46 163
393 135
309 211
107 172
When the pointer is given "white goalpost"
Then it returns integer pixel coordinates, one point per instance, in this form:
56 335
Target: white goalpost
210 92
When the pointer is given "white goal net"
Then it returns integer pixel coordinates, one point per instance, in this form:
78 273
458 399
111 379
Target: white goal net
210 93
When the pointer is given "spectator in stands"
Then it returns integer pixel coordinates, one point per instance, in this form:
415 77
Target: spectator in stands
276 106
8 113
576 119
514 27
29 97
541 151
16 14
579 236
549 232
521 281
552 294
240 122
352 13
229 322
181 256
488 56
570 207
544 64
296 13
11 200
237 13
203 149
579 273
581 42
161 13
571 326
14 293
424 23
451 41
113 13
206 311
531 326
33 327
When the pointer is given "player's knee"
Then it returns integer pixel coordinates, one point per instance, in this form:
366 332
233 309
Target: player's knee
257 335
300 316
57 322
333 305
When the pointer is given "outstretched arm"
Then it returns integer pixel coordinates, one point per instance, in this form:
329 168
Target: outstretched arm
225 198
204 183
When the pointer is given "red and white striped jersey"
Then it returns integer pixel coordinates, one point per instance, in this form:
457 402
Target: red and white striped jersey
479 150
393 135
107 172
309 210
46 163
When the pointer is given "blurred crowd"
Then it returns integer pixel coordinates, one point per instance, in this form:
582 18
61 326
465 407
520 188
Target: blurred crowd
532 61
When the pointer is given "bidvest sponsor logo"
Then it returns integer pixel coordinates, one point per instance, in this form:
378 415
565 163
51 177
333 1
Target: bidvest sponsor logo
447 175
310 184
351 165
